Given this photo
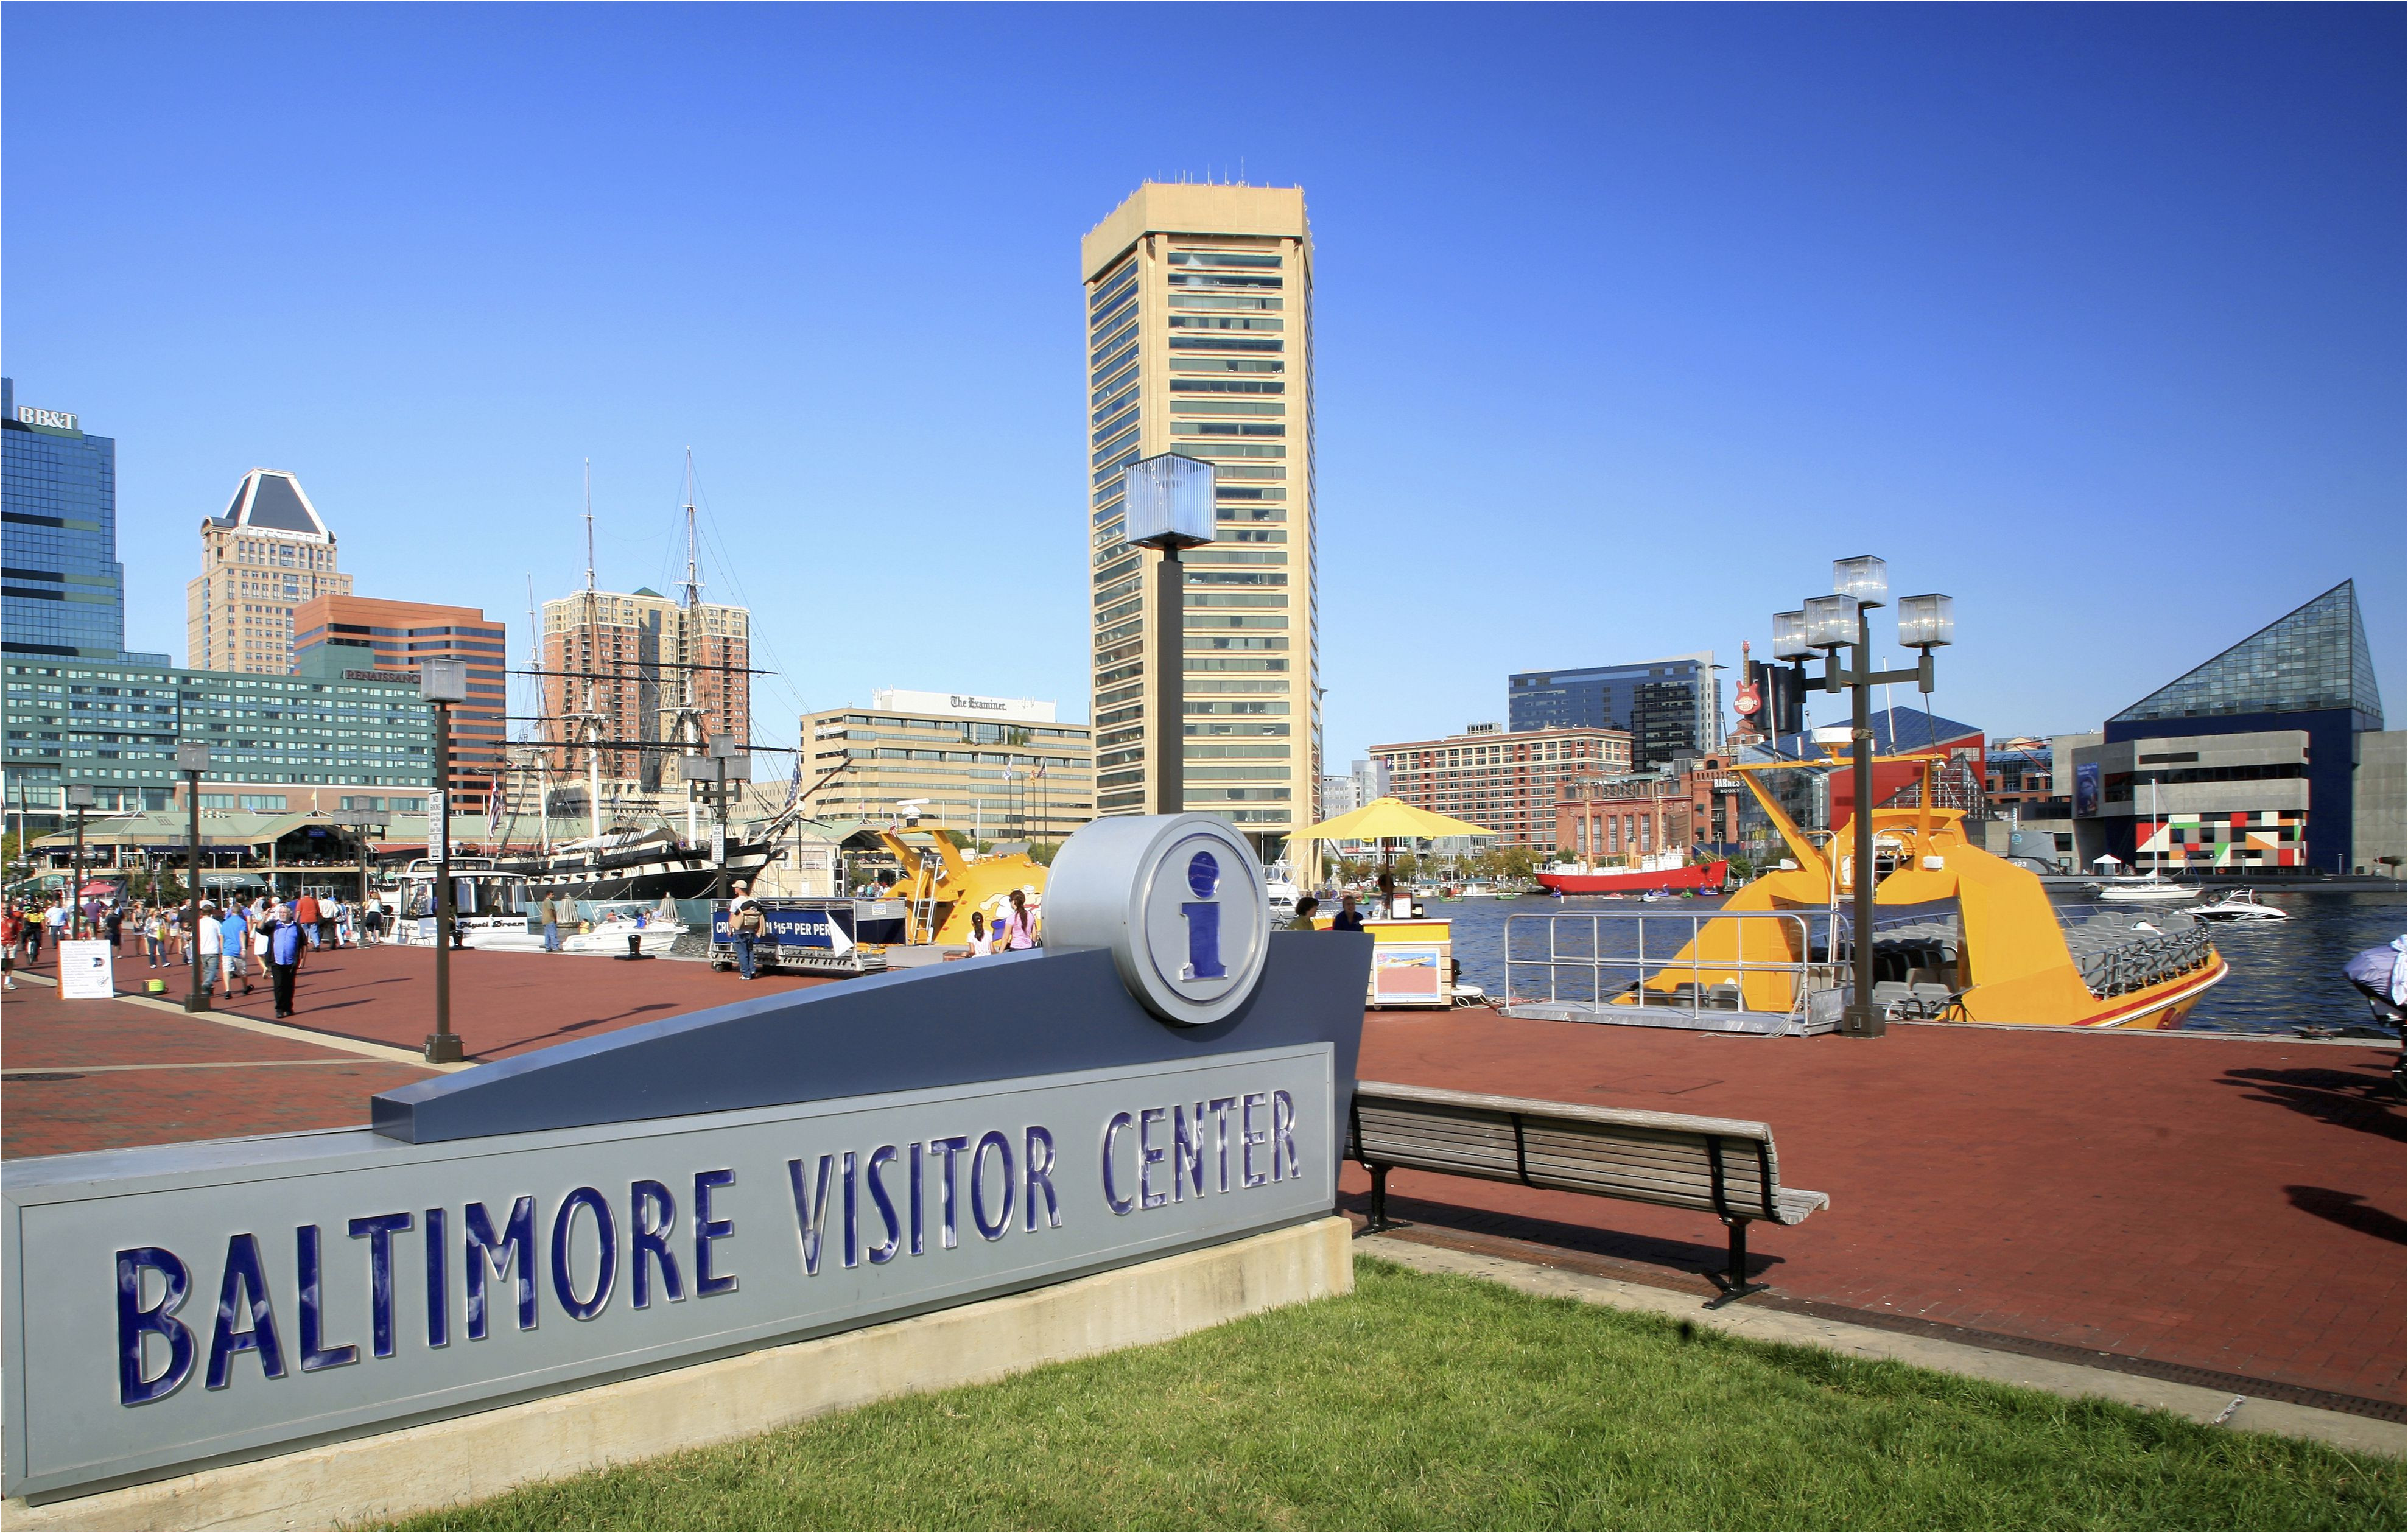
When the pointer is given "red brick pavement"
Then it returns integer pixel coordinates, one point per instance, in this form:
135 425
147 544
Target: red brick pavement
2213 1203
2206 1202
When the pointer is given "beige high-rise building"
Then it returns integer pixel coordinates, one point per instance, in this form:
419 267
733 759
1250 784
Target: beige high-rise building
1199 337
639 653
266 556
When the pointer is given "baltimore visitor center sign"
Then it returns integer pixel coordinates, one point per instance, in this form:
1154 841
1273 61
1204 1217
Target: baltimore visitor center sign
1166 1073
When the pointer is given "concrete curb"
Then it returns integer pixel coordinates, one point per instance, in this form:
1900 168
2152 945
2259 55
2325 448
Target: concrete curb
465 1458
2215 1406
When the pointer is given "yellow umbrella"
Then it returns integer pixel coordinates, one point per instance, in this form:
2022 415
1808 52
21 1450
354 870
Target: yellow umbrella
1388 819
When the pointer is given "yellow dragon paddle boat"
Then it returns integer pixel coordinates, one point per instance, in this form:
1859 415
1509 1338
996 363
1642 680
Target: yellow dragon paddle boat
2002 956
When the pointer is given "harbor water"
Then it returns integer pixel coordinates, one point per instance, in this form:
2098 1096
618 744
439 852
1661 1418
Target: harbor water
2285 974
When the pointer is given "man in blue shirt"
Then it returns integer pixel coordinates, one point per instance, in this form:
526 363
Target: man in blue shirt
234 938
283 957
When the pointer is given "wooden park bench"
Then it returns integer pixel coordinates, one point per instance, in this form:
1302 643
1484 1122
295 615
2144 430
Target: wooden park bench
1724 1167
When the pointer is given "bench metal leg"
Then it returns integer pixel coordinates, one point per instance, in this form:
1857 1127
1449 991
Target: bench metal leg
1734 1283
1380 1219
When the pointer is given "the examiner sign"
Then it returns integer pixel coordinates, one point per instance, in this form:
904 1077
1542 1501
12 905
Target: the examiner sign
763 1172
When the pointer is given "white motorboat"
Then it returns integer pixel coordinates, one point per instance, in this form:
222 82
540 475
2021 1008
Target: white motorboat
654 927
2238 906
2147 888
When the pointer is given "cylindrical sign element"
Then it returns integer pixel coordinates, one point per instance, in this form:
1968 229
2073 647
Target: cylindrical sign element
1179 900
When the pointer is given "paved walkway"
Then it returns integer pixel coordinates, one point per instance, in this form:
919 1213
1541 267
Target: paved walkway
2221 1204
2233 1206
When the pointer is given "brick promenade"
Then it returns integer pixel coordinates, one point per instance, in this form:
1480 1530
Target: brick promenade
2202 1202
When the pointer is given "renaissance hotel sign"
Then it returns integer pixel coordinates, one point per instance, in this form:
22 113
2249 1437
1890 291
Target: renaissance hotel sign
1165 1074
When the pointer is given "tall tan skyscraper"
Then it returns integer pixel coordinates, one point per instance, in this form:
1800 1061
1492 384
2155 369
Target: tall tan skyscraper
1199 341
266 556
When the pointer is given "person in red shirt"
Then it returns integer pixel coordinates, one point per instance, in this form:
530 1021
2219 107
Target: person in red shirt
12 931
304 915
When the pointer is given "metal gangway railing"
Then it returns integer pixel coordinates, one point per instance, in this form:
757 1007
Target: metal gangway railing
1644 968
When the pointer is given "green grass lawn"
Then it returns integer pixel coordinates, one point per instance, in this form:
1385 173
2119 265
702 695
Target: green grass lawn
1426 1401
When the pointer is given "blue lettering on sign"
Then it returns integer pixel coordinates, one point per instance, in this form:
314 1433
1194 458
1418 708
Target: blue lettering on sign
513 1253
1203 919
991 1229
882 1252
135 1320
379 1231
244 1276
315 1354
1006 1171
563 1277
707 1229
652 1214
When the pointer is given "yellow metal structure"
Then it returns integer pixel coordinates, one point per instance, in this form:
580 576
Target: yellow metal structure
2013 962
942 887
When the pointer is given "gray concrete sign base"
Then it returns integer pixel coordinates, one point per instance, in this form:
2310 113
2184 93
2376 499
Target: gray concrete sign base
2215 1406
422 1468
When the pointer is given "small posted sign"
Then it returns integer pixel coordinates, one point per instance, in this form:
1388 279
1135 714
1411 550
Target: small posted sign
85 973
438 823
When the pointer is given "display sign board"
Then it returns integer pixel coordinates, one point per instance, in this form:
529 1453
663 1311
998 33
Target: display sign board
780 1168
86 971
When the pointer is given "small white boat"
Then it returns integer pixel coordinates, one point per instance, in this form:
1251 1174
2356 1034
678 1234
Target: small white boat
654 927
2240 904
2149 887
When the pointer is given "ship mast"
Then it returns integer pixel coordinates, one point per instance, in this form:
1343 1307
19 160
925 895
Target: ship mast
590 721
538 761
689 656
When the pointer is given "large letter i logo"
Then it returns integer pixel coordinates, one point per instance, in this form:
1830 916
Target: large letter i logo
1203 919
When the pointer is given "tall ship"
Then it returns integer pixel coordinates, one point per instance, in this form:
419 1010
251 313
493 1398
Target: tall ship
1641 875
642 856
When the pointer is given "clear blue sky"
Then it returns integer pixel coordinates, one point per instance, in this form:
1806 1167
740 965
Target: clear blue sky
1630 319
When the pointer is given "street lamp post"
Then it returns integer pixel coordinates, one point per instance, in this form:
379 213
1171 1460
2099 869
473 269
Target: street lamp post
361 822
442 682
1167 505
727 760
193 759
78 799
1843 620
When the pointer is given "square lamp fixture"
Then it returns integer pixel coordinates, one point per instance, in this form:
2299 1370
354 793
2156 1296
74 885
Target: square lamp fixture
1830 620
443 681
192 755
1789 637
1865 578
80 796
1926 623
1167 502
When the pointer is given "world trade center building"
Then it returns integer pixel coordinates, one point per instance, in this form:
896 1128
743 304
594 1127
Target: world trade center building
1200 342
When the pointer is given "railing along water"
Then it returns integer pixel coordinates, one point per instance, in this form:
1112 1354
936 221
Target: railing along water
1646 970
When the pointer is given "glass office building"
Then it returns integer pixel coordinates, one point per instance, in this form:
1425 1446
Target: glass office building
114 724
65 590
1671 707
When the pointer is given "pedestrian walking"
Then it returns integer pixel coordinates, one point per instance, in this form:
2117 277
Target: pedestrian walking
114 924
154 935
330 921
235 944
1020 926
54 922
304 915
372 919
551 911
747 925
12 931
212 936
284 957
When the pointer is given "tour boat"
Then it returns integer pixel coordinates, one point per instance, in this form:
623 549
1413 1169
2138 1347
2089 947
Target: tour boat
2148 887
